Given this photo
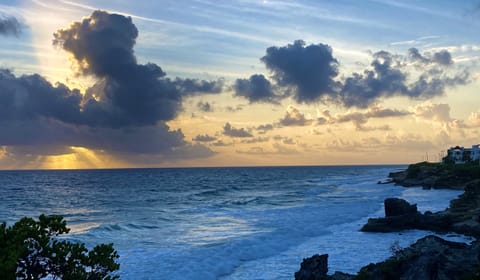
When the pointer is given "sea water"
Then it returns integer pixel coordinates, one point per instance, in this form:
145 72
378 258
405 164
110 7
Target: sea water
221 223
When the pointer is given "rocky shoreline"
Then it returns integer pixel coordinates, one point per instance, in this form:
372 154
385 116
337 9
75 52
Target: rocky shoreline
430 257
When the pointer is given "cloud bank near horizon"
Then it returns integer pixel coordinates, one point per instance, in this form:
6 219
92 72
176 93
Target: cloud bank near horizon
125 112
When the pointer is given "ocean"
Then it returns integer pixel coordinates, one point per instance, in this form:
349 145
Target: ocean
221 223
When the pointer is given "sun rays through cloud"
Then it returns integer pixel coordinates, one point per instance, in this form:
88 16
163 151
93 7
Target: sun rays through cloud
105 84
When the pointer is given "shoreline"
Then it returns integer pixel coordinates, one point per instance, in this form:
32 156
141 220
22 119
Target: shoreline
430 257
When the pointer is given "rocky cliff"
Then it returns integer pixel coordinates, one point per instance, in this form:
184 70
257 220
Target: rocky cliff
430 257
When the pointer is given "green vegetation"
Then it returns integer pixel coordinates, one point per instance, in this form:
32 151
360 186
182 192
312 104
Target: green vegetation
470 170
29 250
389 269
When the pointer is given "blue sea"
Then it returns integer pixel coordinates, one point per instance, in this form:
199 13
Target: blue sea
221 223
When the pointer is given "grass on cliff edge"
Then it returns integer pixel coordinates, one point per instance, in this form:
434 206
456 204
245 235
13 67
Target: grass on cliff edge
469 169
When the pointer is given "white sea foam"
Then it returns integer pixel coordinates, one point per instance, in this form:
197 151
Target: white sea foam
350 249
221 223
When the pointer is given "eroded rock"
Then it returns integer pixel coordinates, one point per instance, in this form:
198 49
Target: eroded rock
316 268
429 258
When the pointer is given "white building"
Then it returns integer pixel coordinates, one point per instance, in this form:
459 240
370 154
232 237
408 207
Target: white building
459 155
475 154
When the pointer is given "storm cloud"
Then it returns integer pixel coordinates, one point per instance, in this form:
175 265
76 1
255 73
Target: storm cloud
127 93
31 97
388 77
309 74
256 89
122 113
10 26
307 71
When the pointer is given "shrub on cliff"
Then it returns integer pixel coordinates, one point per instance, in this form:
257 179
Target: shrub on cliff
467 170
29 250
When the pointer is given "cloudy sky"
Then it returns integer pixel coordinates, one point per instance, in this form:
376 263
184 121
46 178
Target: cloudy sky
119 83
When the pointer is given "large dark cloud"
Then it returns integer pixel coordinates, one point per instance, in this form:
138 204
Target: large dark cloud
383 79
123 113
308 71
45 132
128 93
256 89
10 26
388 77
31 97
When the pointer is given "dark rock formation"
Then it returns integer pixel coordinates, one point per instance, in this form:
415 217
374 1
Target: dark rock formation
313 268
429 258
463 215
465 210
401 215
397 207
435 175
316 268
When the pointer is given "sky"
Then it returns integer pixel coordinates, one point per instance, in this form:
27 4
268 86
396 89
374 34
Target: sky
123 84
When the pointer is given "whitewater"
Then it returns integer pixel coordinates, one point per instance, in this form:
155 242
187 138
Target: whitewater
221 223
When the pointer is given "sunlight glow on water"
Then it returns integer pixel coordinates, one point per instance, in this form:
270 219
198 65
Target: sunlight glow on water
217 230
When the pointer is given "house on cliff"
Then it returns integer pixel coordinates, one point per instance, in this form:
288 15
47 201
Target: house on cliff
460 155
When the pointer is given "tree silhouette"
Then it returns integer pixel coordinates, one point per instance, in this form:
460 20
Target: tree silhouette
30 250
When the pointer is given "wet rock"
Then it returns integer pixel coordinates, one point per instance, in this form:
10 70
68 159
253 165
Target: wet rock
399 207
401 215
398 176
463 215
433 175
429 258
316 268
313 268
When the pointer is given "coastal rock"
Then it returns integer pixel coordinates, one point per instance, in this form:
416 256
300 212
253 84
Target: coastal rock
391 224
429 258
398 207
463 215
398 176
465 210
316 268
434 175
399 215
313 268
469 201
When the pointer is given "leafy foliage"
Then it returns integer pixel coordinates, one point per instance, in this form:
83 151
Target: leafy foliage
468 170
29 250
